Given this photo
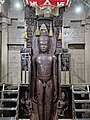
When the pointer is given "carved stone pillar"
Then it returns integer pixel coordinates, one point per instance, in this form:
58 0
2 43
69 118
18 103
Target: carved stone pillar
87 52
4 72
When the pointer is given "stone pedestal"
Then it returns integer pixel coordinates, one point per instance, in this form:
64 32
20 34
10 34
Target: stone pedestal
35 117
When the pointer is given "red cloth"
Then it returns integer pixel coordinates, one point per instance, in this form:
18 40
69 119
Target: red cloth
65 1
29 2
53 2
40 2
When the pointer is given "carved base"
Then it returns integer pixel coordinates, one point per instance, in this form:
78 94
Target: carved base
58 119
35 117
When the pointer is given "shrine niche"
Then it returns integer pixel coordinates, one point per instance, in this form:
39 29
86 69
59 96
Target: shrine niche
44 39
32 16
25 104
47 101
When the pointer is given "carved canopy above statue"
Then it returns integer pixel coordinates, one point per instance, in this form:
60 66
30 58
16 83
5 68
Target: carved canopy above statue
48 7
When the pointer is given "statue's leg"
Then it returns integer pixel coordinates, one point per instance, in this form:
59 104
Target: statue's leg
40 99
48 99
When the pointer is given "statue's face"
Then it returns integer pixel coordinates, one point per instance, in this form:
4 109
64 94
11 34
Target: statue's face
26 95
63 95
43 44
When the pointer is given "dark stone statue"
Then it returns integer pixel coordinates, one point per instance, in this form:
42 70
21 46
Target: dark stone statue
25 106
62 105
44 84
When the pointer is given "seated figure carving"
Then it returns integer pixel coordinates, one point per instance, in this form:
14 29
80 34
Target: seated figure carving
62 105
26 106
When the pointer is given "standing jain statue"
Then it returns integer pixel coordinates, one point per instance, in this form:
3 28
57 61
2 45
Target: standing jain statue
44 82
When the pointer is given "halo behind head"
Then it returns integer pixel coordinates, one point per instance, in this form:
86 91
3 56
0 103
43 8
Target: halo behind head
43 28
43 37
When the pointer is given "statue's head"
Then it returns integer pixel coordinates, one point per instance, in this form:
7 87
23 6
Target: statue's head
25 95
43 42
63 95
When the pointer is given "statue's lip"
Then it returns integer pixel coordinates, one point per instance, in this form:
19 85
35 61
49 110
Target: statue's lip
43 18
43 50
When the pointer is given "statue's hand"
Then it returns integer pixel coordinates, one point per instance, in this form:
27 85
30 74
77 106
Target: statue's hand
55 97
33 99
58 103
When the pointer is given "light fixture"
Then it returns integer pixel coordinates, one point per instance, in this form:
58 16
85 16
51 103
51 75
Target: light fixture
18 5
78 9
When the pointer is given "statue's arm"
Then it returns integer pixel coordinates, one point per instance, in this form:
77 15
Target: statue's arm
33 74
30 107
55 76
22 105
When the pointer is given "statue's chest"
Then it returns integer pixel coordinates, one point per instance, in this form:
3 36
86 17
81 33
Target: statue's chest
44 60
62 103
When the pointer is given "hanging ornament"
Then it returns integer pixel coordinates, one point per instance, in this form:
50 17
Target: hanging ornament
51 31
60 35
37 32
25 33
43 29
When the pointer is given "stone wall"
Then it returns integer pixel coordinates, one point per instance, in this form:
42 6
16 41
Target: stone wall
87 52
73 32
77 66
15 44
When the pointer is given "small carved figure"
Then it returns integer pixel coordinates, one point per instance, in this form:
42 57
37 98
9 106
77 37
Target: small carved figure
44 75
62 105
25 106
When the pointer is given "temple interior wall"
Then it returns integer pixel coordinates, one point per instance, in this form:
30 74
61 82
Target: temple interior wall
75 31
15 42
74 35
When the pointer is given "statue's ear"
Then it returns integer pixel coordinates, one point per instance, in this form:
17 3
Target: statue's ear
55 52
31 51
